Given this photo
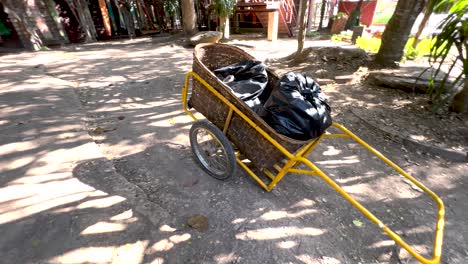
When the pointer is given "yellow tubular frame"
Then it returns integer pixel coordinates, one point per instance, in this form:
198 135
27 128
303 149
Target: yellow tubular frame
300 158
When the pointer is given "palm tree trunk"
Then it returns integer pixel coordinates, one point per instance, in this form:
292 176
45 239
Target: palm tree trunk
397 32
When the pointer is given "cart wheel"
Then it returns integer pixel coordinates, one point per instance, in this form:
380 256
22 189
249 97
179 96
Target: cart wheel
212 150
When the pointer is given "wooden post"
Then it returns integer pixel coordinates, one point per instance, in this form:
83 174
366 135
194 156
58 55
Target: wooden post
273 19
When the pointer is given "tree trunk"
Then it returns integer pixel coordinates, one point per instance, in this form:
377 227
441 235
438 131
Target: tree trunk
354 17
397 32
322 13
225 27
27 30
105 17
189 18
459 103
128 18
84 18
141 14
330 15
302 28
422 25
54 14
310 15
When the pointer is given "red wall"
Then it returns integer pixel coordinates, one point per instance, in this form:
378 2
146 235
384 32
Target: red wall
367 10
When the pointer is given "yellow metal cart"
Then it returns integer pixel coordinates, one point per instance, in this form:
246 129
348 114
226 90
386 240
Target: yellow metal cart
211 146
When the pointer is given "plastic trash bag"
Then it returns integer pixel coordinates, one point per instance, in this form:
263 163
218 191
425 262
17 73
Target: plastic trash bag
297 108
247 80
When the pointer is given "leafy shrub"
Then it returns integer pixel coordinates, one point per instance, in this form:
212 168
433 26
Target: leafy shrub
369 44
422 49
343 36
340 15
372 45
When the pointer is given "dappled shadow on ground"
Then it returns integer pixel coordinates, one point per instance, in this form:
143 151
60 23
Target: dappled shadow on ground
47 214
301 221
324 62
407 115
404 113
41 141
133 206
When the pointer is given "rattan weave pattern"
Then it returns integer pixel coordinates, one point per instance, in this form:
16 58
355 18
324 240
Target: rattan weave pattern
208 57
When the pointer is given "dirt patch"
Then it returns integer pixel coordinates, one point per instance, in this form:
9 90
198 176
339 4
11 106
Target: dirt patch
324 62
406 114
417 122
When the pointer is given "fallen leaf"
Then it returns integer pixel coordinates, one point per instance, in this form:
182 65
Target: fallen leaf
35 243
198 222
357 223
99 130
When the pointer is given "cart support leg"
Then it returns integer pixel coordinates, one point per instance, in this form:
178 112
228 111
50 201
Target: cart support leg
228 121
437 251
251 173
281 174
305 152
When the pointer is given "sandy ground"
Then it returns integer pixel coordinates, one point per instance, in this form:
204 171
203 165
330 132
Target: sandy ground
116 182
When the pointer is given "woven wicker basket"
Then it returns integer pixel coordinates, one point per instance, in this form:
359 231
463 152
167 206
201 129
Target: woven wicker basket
208 57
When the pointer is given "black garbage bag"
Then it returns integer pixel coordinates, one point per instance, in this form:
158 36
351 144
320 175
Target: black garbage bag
247 80
297 108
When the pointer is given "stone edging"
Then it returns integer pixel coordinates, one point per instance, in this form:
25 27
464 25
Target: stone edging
449 154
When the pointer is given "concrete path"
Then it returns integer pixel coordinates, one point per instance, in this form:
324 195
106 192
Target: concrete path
49 211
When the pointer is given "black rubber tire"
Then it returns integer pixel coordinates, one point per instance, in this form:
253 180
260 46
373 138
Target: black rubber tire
221 140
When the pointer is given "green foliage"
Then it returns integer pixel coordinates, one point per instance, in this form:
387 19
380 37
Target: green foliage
336 38
369 44
440 6
372 45
171 7
224 8
340 15
453 38
343 36
422 49
312 34
382 19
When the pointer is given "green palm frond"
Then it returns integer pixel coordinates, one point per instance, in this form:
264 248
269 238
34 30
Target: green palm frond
224 8
450 46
